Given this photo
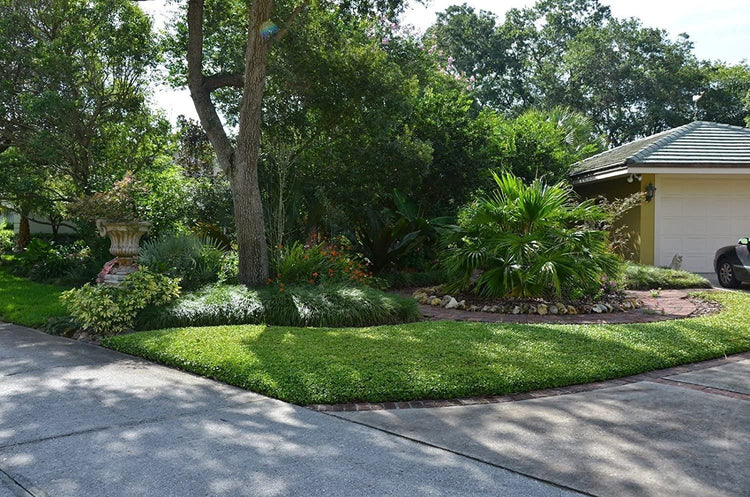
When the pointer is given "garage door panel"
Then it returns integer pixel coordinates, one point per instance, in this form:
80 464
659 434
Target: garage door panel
695 216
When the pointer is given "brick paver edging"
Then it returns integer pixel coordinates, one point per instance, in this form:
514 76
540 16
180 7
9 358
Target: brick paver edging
657 376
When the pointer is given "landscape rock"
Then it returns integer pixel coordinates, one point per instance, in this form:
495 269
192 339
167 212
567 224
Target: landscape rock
571 310
452 303
516 310
486 308
532 309
435 302
553 309
446 300
543 310
473 308
462 305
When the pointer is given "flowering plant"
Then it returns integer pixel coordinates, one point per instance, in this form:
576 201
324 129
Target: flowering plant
120 203
318 262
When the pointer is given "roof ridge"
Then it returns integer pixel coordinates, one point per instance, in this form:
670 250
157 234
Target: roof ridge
670 136
724 125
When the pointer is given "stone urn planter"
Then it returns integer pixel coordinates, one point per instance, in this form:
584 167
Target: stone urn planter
125 237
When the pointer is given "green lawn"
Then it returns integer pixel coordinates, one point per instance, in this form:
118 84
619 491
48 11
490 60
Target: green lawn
434 360
28 303
642 277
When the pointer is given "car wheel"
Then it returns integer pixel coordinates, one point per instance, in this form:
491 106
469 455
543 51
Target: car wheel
725 272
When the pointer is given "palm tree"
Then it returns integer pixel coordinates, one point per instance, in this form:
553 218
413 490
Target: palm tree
529 241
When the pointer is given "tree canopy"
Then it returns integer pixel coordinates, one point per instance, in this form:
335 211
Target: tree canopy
629 79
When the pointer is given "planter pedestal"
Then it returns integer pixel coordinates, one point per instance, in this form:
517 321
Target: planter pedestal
125 238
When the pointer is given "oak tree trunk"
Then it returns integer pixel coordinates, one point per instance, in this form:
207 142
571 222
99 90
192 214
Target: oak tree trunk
239 162
248 208
24 232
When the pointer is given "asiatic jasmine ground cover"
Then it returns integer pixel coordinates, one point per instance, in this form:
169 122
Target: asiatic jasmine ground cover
437 360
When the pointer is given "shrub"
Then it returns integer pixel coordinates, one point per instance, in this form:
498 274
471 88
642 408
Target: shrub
196 261
105 309
7 239
640 277
404 279
122 202
387 237
320 263
334 305
529 241
70 263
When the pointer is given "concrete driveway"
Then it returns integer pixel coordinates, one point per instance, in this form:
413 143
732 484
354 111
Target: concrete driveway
714 280
78 420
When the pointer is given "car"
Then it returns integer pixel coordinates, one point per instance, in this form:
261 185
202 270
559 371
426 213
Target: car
732 264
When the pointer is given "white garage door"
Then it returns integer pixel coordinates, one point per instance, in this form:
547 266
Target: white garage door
696 215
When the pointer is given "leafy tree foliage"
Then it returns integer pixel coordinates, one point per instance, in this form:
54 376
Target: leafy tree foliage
545 144
73 108
630 80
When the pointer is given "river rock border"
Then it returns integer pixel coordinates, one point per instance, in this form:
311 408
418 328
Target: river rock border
432 296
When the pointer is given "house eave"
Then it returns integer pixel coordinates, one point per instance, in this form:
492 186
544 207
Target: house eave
601 175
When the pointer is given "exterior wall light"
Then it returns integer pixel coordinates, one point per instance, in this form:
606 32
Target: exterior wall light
650 192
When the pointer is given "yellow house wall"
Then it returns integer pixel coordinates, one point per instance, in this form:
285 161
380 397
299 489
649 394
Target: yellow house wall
636 220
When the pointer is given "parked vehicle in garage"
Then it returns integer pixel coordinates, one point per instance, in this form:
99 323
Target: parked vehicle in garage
732 264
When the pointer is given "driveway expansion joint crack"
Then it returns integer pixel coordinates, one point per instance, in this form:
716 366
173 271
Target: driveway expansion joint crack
702 388
18 488
139 422
466 456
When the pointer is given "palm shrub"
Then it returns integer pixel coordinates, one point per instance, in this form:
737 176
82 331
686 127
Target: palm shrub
195 261
529 241
385 237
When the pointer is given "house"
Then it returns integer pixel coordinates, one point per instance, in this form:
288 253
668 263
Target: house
37 224
697 184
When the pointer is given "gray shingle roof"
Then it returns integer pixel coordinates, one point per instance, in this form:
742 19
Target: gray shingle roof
696 144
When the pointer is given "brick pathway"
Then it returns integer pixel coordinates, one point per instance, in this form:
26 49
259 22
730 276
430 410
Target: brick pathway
658 376
671 304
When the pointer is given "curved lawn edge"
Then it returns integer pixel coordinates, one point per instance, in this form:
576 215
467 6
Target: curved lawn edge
439 360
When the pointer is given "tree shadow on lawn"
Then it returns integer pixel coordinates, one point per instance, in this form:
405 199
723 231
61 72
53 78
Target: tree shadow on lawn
448 360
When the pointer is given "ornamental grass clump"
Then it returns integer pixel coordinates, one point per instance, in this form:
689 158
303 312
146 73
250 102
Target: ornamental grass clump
531 240
334 305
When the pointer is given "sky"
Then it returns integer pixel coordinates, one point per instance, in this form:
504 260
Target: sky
720 29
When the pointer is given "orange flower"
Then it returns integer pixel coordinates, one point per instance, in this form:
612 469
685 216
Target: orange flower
315 275
312 280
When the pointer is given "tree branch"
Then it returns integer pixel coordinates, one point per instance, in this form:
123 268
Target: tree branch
288 24
222 80
199 91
